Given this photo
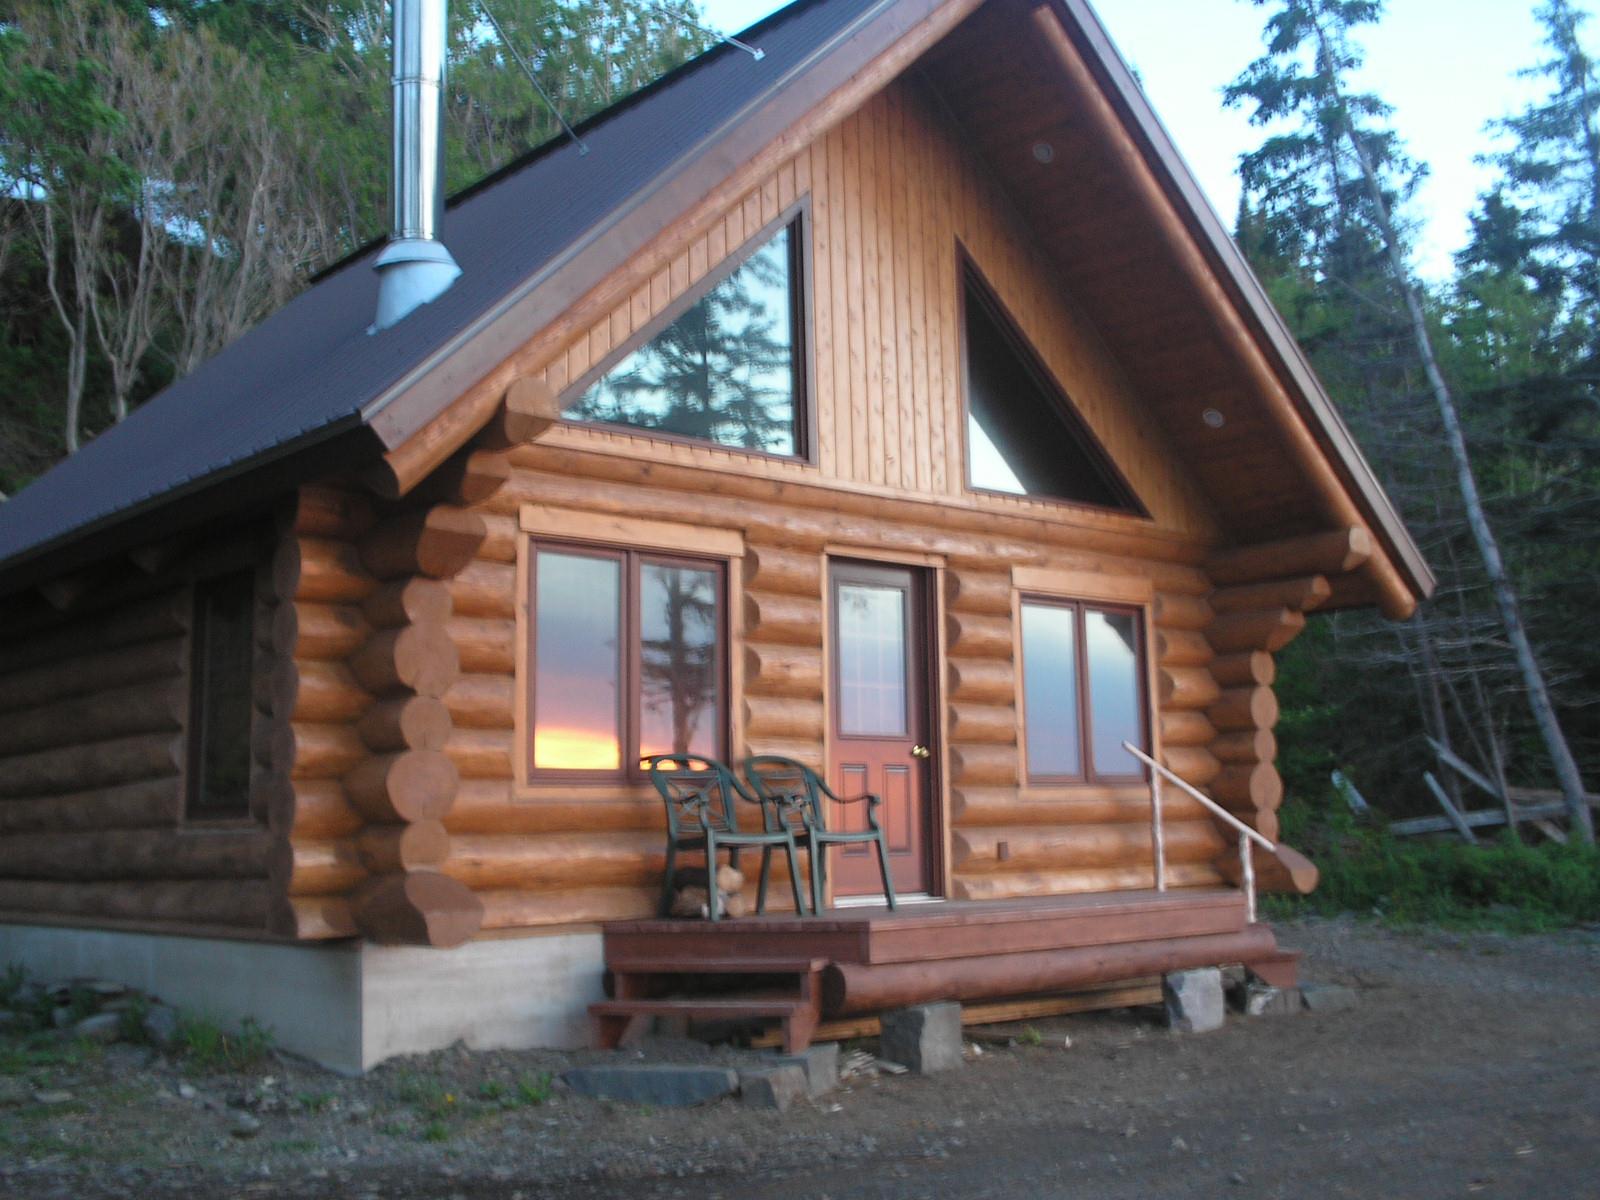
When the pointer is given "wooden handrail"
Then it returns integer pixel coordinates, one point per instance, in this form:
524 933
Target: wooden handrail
1217 809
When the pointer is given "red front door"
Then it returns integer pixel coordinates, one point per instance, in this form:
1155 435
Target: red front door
880 715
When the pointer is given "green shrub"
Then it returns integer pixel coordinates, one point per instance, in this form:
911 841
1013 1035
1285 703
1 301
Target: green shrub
534 1089
207 1047
11 981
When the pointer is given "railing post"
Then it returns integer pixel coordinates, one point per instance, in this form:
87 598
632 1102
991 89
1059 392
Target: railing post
1247 869
1158 839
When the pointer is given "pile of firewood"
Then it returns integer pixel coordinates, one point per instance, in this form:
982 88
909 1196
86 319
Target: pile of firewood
691 898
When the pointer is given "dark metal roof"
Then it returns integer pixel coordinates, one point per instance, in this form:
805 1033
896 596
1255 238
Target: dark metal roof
311 370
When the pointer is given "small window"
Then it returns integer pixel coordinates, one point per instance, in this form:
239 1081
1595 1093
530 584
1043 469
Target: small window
726 370
1082 691
223 649
628 659
1023 436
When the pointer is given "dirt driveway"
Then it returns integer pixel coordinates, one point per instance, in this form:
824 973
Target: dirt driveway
1470 1067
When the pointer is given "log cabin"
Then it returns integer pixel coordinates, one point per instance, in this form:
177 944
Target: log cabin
890 399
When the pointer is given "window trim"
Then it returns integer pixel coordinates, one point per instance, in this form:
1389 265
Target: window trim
1087 775
630 690
797 218
971 279
190 814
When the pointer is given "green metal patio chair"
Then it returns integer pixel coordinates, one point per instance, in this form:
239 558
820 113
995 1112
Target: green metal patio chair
701 795
793 797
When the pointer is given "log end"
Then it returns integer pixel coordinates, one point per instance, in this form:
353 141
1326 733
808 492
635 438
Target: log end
421 909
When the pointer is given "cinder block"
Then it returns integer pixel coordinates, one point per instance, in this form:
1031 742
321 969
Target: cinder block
773 1087
820 1063
1328 997
666 1085
1194 1000
1260 1000
923 1039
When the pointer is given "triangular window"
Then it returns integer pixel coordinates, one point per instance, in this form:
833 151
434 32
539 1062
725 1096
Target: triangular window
725 370
1023 435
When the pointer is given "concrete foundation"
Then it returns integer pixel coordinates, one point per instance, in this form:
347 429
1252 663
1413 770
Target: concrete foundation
348 1006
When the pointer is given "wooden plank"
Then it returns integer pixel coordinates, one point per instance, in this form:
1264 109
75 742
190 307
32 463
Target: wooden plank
1477 819
1450 810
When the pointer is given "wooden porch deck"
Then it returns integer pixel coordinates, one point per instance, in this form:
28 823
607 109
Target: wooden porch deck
853 961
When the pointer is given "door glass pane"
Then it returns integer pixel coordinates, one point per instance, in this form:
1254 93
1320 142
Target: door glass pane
577 610
723 371
679 691
1050 690
872 660
1113 691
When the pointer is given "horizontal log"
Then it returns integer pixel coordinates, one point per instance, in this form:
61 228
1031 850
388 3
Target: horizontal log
1263 820
1246 746
125 854
419 908
322 750
790 572
486 806
526 411
1185 727
322 571
149 620
436 542
414 785
1248 667
1265 629
993 723
978 592
91 765
416 846
990 765
484 589
320 809
157 707
557 860
408 601
315 918
975 635
1194 765
783 717
480 753
792 620
1186 687
503 534
985 680
482 702
143 662
150 802
327 691
1284 871
327 632
808 752
1174 610
317 868
783 670
419 658
1302 594
231 903
331 512
1072 806
1016 885
485 646
1182 648
1248 786
1334 553
469 476
513 908
1244 708
1047 848
405 723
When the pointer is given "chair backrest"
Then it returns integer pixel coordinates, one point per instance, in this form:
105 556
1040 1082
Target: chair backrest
699 792
791 792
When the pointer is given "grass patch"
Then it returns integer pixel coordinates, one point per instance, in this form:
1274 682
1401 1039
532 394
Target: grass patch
1029 1036
1500 885
535 1089
206 1046
41 1050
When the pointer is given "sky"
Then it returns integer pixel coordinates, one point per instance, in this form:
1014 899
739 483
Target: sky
1447 66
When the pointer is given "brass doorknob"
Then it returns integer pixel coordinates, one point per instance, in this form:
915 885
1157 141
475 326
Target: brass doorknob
921 752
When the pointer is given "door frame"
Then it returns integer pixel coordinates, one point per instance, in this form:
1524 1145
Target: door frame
929 569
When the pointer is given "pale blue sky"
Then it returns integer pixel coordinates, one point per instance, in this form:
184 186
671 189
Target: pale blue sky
1447 66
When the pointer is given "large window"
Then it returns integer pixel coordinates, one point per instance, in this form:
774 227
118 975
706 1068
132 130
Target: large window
222 652
1083 691
726 370
627 659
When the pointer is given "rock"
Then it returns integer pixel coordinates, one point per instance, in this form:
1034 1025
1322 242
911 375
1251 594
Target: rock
13 1020
51 1098
665 1084
820 1064
773 1087
62 1016
925 1038
1263 1000
161 1026
13 1091
104 988
102 1027
243 1125
1194 1000
187 1091
1327 997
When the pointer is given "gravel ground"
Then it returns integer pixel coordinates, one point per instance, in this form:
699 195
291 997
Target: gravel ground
1470 1067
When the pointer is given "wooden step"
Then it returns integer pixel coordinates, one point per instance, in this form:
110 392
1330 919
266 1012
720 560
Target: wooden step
621 1021
691 965
1281 969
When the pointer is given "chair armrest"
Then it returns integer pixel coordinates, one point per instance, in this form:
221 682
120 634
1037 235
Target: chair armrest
872 799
